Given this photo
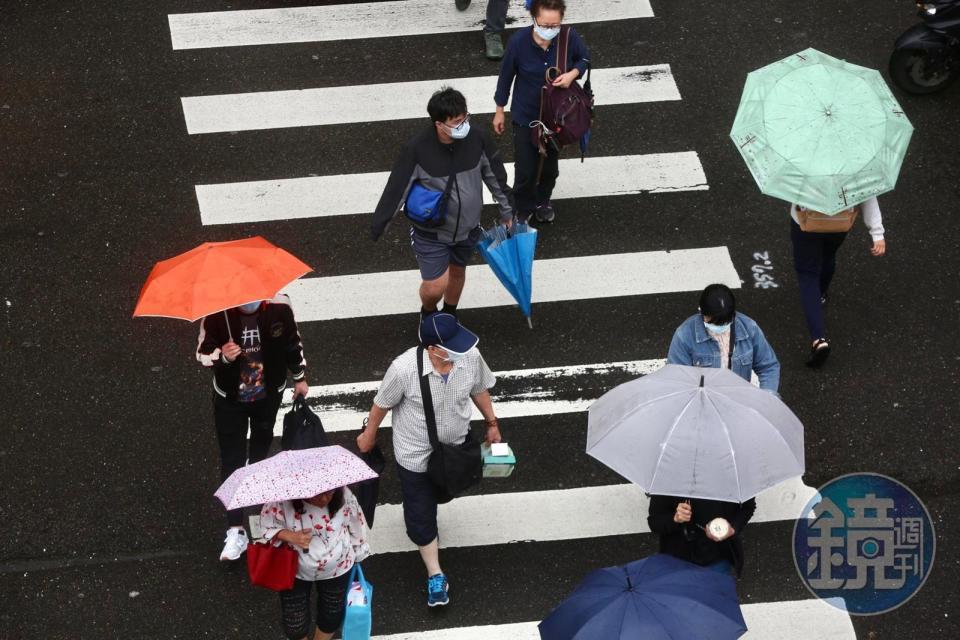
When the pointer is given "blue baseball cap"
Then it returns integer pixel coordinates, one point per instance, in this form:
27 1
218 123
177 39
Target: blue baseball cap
443 330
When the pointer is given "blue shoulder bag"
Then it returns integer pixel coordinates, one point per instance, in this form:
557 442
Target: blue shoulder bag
426 207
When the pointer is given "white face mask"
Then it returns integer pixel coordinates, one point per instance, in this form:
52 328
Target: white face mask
460 131
546 34
453 356
250 307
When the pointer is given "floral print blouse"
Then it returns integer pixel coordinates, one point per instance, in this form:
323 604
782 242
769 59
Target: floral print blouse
337 543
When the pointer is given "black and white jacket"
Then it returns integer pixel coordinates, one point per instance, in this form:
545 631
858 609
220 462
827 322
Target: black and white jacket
279 341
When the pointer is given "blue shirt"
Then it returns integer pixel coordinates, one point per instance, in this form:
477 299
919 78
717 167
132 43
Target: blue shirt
751 352
525 61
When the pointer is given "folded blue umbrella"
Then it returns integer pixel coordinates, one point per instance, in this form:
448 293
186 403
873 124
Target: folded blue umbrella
509 253
656 598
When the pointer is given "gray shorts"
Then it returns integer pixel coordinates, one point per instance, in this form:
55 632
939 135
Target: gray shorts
433 256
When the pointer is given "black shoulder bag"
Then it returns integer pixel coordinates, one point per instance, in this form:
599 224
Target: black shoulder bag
453 468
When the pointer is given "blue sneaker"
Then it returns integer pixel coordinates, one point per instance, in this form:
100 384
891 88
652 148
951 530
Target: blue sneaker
437 588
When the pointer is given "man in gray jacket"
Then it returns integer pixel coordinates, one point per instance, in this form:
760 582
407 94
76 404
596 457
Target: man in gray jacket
448 150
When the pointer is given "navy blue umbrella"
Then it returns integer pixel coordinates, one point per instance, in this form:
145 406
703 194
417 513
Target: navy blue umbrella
656 598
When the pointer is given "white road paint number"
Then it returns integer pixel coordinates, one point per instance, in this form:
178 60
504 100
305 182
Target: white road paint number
762 271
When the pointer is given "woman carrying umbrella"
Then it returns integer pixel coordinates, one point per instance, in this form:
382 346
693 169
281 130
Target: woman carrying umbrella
331 531
815 260
306 505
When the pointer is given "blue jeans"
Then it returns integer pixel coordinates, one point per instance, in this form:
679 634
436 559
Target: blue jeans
815 259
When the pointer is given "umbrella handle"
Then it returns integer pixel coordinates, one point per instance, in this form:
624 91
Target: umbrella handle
227 320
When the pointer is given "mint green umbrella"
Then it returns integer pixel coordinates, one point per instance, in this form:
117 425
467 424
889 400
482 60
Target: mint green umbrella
820 132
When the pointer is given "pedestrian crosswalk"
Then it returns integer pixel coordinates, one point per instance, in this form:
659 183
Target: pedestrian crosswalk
532 395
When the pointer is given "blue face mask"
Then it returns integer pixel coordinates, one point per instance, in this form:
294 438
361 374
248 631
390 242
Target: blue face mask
718 329
250 307
546 34
460 131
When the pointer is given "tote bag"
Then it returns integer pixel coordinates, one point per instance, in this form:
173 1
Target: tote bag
272 567
358 619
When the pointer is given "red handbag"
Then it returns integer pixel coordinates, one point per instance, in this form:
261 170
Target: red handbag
272 567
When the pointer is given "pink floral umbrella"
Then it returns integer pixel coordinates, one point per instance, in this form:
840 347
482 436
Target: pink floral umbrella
291 475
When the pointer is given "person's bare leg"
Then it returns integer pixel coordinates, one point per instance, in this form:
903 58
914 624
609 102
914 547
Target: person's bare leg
430 554
456 278
431 291
320 635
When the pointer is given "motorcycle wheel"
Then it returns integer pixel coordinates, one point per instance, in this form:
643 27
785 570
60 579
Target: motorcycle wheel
909 68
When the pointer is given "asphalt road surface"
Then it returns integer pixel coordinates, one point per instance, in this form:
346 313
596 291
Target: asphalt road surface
108 458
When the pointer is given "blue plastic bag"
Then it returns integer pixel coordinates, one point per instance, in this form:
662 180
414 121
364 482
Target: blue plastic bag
358 619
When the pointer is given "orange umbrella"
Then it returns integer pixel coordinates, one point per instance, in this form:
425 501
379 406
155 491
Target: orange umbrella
217 276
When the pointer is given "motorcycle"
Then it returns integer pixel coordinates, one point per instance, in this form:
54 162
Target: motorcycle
926 58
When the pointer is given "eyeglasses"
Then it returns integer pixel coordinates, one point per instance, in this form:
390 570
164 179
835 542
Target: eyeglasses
465 120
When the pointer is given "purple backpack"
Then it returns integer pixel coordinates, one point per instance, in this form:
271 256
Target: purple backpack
565 114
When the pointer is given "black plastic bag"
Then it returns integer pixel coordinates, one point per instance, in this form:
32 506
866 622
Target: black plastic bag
302 428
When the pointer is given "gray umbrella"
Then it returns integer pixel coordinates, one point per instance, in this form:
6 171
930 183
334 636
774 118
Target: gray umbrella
696 433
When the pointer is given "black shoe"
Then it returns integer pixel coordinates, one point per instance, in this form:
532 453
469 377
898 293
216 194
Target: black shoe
819 353
545 213
462 4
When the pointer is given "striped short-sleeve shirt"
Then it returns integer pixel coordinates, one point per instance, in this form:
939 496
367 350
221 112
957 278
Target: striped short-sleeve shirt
452 406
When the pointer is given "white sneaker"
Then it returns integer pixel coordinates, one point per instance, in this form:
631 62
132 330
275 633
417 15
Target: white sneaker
234 544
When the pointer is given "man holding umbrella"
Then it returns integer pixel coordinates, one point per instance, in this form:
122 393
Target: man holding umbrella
456 375
248 382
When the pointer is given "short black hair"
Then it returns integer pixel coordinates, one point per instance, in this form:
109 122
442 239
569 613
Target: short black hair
718 303
445 104
550 5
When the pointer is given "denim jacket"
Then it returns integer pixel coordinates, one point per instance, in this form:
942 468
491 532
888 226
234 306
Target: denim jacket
693 347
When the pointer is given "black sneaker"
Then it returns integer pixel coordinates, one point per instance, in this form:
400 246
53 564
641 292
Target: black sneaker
545 213
462 4
819 353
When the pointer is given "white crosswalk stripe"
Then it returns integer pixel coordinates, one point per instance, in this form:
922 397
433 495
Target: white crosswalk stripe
342 407
396 100
366 20
786 620
358 193
485 519
538 516
555 280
